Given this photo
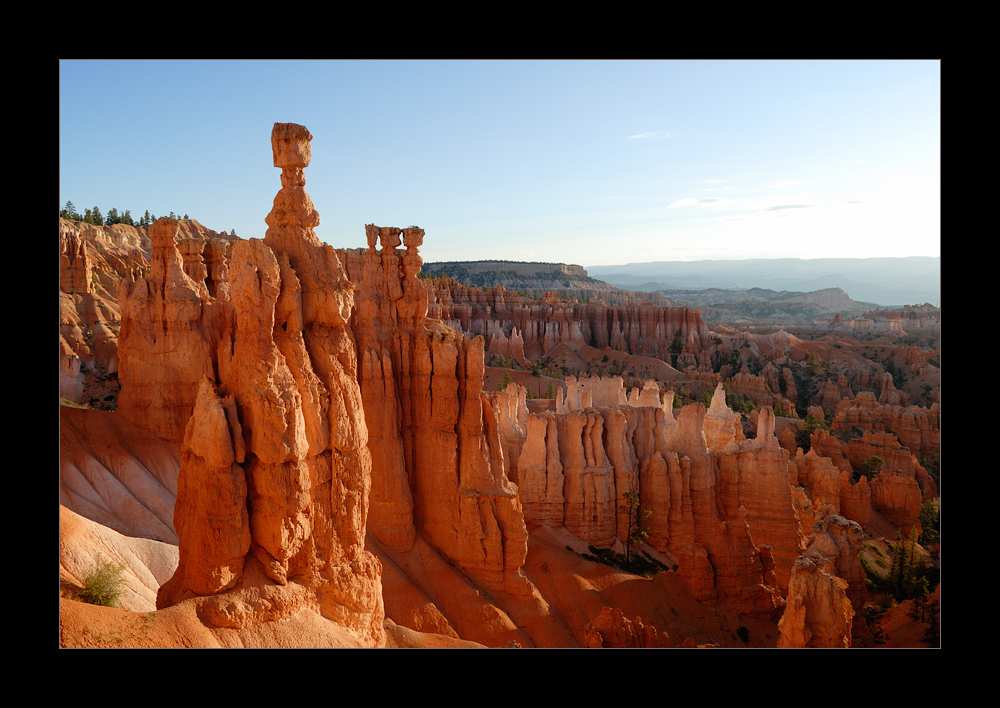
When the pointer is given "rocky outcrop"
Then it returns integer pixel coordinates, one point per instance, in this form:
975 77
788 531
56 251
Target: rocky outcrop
613 630
92 261
211 516
828 396
827 582
540 472
123 236
722 426
817 611
261 388
518 275
754 481
590 391
511 408
173 335
725 517
901 485
75 265
840 540
729 566
889 394
917 428
642 328
435 436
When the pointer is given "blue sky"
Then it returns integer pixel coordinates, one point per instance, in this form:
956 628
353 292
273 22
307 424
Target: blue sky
587 162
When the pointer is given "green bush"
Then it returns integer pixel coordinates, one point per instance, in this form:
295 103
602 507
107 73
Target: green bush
104 585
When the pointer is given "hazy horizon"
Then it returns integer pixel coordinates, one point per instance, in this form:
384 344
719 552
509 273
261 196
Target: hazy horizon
596 163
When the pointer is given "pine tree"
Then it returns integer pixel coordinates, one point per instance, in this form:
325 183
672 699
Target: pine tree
928 518
872 620
636 532
907 577
898 570
933 634
918 606
98 219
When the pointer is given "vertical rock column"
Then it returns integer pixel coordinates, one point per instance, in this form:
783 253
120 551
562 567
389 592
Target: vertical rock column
291 373
310 478
165 346
423 393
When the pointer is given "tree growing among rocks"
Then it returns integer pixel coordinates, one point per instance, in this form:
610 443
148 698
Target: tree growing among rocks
636 531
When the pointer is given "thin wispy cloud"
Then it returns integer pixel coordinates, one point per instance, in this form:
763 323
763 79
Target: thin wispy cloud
652 135
691 201
709 181
784 182
789 206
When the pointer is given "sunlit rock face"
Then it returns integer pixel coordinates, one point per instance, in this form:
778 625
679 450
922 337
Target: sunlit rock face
435 437
727 517
259 382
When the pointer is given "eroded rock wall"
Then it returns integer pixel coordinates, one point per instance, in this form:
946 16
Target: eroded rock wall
435 436
725 517
643 328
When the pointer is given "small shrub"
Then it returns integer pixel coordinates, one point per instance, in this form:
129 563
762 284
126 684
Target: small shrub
104 585
639 564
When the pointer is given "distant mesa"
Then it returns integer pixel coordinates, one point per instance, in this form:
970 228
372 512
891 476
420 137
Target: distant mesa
517 275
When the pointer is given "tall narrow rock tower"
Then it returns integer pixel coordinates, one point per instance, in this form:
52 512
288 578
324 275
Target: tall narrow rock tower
290 416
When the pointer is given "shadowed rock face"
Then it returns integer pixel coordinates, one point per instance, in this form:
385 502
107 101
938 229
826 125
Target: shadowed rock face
827 582
540 325
817 613
916 428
